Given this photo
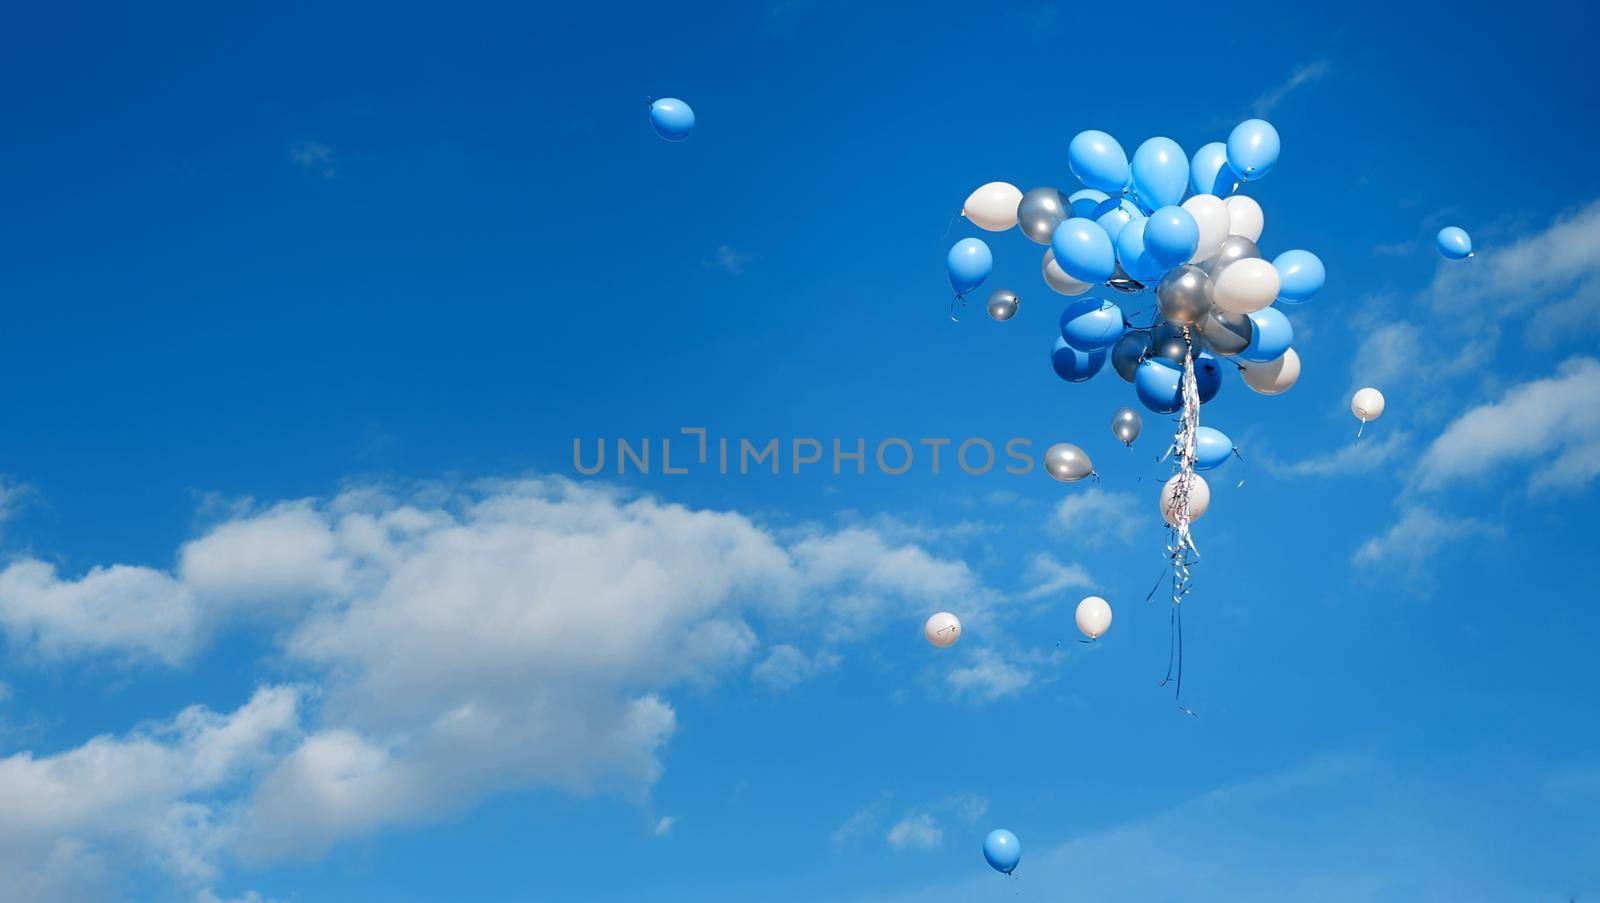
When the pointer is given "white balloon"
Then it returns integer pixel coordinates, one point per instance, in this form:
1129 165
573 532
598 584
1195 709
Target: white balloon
1058 280
1367 405
1246 286
1245 217
1211 215
1274 377
1094 616
993 206
942 629
1199 499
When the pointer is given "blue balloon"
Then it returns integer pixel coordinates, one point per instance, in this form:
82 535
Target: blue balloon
969 263
1454 242
1209 172
1135 260
1098 161
1207 375
1073 365
1114 213
1002 850
1084 203
1159 385
1271 334
1171 236
671 118
1160 173
1092 325
1252 149
1211 448
1083 250
1300 276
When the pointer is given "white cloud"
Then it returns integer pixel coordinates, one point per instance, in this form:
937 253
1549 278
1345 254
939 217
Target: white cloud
1302 75
1410 544
664 825
729 260
786 666
1097 516
988 677
1359 457
918 831
314 156
1050 576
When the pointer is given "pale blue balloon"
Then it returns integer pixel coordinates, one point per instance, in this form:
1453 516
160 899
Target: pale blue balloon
1092 325
1300 276
1454 242
1115 213
1252 149
969 263
1159 385
1073 365
1160 173
1207 375
1209 172
1271 334
1098 161
1083 250
1135 260
1002 850
1211 448
1171 236
671 118
1085 202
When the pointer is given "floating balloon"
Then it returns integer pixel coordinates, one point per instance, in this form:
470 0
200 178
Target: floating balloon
1184 295
1160 173
1002 850
1245 286
1003 304
1073 365
1125 425
1367 404
1091 324
1098 161
1131 255
1128 352
1058 280
1271 334
1252 149
1199 499
1159 385
1273 377
1171 236
1083 250
1114 214
1234 248
1300 276
1211 218
1039 212
1209 172
1207 376
1454 242
969 263
1067 462
1093 617
1211 448
1168 343
942 629
1085 202
1122 282
993 207
1227 333
672 119
1245 217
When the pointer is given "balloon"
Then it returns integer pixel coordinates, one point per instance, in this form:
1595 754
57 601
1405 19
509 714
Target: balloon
1211 217
1002 850
969 263
1209 172
1083 250
1085 202
1115 213
1122 282
1245 217
1271 334
1234 247
1126 424
671 118
1273 377
1003 304
942 629
1160 173
1058 280
1227 333
1184 295
1093 616
1167 342
1207 376
1199 499
1159 385
1098 161
1367 404
1252 149
1128 352
1039 212
1067 462
1300 276
1454 242
993 206
1171 236
1131 254
1245 286
1073 365
1092 325
1211 448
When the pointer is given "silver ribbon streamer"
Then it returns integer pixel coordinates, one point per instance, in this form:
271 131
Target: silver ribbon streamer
1181 550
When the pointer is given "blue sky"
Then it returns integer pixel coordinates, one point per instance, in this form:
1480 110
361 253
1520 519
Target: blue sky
303 599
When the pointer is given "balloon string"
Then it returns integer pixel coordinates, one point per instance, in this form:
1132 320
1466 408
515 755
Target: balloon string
1181 548
963 300
1243 464
1361 428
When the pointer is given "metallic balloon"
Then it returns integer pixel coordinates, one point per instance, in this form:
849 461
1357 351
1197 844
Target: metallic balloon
1226 333
1167 341
1067 462
1184 295
1128 352
1234 247
1122 282
1125 425
1041 211
1003 304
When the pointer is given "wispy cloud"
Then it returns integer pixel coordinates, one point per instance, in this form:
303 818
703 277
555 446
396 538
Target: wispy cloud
664 825
1396 249
1097 517
730 261
1359 457
1411 543
922 828
988 677
786 666
314 156
1302 75
1049 576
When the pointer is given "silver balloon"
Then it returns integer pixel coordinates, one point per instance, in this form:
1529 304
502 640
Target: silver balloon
1122 282
1184 295
1128 352
1167 341
1041 211
1234 247
1067 462
1003 304
1125 425
1225 332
